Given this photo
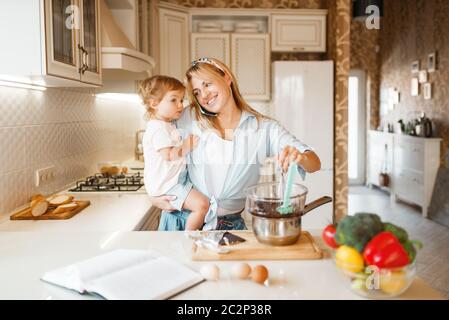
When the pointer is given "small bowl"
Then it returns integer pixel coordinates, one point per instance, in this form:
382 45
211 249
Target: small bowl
375 283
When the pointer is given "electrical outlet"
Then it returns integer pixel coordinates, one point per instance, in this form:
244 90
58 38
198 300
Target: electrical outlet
44 175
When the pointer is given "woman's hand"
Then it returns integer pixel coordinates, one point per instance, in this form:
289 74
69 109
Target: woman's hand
308 160
163 202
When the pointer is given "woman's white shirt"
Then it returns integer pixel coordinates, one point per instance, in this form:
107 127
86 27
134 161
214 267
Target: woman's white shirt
219 155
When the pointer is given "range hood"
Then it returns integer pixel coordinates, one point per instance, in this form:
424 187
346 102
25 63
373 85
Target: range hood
120 59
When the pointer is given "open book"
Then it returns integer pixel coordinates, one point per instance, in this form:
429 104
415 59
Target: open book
126 274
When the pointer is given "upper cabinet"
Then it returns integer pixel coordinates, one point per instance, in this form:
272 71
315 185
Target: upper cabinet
72 40
173 41
52 43
305 32
247 54
215 45
242 38
90 42
63 58
250 64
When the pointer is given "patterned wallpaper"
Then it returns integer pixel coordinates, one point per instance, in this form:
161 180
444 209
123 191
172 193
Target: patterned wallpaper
365 56
278 4
338 50
70 129
410 31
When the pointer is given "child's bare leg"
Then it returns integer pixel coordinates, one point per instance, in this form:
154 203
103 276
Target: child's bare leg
198 204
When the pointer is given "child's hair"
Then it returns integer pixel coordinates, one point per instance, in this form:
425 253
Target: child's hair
155 88
215 70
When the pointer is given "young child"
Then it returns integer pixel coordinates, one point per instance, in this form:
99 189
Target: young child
164 150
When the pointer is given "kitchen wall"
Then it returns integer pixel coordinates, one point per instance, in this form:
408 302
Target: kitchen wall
68 128
410 30
365 55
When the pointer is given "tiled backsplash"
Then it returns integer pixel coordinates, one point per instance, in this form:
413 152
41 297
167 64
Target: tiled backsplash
68 128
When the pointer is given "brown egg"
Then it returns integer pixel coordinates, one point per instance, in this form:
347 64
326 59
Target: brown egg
259 274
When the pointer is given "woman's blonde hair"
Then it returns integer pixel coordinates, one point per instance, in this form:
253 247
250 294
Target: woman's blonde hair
155 88
214 70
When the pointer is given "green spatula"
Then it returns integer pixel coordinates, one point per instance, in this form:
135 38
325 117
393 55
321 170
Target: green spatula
286 208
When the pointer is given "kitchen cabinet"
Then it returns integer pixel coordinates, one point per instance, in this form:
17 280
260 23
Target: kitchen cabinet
90 42
412 165
51 42
72 40
250 63
248 56
416 163
299 32
173 42
242 38
215 45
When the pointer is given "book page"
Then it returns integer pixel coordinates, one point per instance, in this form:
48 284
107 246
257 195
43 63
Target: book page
77 275
158 278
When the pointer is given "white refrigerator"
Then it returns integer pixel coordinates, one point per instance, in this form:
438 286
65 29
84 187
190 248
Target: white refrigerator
303 97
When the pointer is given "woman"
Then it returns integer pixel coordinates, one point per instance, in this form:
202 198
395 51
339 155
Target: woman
234 141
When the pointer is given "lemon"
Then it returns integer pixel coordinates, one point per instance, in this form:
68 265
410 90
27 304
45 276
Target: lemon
393 282
349 259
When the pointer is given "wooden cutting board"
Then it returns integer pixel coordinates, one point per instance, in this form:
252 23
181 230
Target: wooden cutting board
25 214
251 249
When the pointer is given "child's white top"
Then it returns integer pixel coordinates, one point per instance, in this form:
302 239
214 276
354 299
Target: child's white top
160 175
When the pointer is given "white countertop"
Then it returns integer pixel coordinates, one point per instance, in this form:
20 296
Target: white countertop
107 212
27 255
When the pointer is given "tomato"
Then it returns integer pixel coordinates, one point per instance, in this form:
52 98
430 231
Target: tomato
328 236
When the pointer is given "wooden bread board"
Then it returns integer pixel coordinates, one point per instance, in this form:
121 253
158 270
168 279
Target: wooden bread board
25 214
251 249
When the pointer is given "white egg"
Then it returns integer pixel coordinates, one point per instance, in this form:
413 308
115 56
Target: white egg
241 270
210 272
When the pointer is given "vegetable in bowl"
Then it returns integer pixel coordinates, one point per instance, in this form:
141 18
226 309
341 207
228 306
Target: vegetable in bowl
376 259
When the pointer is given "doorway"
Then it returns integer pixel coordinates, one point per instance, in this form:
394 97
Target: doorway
356 127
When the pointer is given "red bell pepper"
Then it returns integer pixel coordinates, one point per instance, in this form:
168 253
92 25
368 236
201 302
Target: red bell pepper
385 251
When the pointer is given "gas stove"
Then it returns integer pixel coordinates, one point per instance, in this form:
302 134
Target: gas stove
103 183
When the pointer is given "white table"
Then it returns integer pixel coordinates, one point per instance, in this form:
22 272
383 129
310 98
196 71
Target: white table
25 256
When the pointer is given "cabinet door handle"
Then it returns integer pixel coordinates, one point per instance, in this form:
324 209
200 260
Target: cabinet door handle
82 68
299 49
87 58
84 58
85 62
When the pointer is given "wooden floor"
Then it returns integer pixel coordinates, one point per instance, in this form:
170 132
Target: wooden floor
433 259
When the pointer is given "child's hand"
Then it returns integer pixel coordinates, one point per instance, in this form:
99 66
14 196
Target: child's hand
163 202
190 143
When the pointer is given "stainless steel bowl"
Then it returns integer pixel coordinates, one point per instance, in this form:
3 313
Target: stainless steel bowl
271 227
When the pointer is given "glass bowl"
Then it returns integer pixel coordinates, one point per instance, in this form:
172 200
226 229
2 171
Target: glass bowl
375 283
